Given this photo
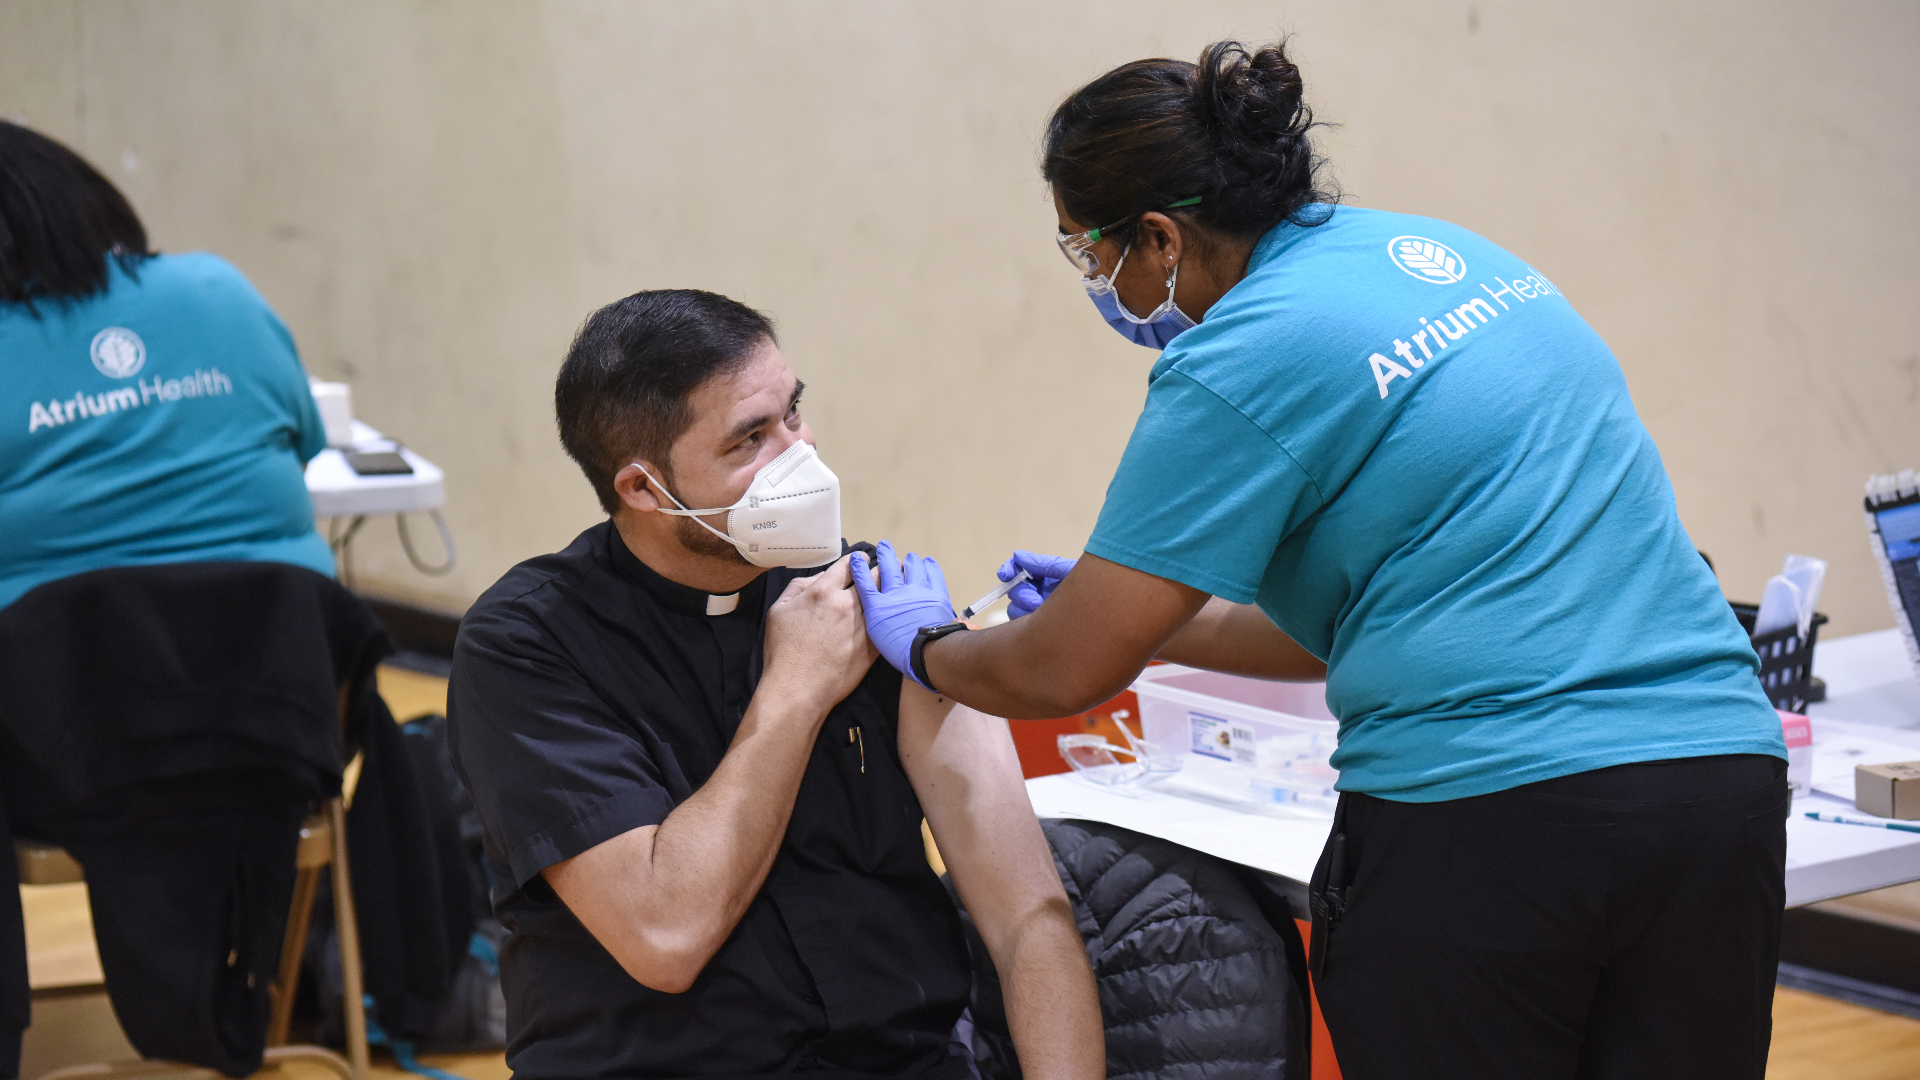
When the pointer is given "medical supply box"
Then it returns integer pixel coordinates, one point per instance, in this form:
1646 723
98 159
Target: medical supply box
1890 791
1280 734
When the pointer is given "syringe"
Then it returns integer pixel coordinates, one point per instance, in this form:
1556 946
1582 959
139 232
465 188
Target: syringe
994 595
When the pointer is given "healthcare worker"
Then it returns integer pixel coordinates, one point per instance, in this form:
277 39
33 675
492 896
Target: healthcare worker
155 408
1381 450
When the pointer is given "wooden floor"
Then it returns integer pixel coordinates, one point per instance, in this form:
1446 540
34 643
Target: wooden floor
1817 1038
79 1028
410 694
1814 1038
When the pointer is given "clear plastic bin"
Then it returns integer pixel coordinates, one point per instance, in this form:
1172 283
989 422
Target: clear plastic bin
1279 735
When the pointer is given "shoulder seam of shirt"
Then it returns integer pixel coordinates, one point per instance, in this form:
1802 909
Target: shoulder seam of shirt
1255 424
549 578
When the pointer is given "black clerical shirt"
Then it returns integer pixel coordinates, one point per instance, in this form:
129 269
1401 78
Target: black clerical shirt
590 696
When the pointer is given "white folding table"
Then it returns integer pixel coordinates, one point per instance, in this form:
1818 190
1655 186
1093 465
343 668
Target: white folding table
1871 691
1872 694
339 492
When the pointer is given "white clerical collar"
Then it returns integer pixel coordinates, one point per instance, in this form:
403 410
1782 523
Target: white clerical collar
722 605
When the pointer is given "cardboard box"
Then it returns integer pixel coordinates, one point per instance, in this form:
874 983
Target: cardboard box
1890 791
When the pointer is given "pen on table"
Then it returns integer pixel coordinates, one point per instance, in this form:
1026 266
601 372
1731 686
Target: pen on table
994 594
1838 820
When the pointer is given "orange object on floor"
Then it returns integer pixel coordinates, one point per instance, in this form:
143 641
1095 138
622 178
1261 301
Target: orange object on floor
1325 1067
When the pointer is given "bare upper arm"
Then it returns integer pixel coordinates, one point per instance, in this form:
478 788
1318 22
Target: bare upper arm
594 877
598 886
964 768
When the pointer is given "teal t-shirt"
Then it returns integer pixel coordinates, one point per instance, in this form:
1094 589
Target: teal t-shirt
165 419
1405 446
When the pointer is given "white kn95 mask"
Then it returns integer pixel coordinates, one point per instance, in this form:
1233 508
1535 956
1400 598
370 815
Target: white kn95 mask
790 515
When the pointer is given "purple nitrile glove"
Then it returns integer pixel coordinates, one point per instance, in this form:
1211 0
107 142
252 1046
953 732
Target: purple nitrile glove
1045 573
907 597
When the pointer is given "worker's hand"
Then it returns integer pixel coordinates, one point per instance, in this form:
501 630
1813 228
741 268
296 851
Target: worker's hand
907 597
817 647
1044 573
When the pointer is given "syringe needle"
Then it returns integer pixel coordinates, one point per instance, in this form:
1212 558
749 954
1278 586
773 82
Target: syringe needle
994 595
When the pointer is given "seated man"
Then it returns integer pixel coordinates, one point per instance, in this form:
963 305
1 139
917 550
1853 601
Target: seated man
702 794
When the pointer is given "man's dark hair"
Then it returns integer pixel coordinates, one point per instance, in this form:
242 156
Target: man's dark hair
60 221
1232 129
622 392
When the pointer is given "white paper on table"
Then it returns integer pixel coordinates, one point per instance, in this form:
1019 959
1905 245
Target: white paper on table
1855 812
1807 573
1779 606
1283 845
1835 756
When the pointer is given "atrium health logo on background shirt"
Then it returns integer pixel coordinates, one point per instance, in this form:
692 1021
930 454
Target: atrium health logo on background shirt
118 353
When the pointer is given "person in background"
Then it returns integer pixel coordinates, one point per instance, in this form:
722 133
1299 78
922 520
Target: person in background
702 793
1380 450
152 407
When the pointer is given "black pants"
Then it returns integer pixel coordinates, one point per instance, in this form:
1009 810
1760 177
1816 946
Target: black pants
1617 923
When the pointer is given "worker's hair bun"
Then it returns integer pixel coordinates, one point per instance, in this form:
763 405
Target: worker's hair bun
1232 129
1253 109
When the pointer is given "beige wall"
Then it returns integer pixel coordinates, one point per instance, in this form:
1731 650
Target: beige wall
434 194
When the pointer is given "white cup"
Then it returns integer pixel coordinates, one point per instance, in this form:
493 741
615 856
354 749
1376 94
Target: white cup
335 400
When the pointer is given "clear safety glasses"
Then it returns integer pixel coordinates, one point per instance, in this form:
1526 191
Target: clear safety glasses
1078 247
1093 758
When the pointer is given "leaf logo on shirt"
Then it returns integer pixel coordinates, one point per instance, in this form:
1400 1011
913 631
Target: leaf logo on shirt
1428 260
118 352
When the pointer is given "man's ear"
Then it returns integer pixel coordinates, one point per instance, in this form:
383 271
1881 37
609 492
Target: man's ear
636 491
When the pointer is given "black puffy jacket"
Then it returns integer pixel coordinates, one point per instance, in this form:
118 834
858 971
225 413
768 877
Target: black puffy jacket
1200 969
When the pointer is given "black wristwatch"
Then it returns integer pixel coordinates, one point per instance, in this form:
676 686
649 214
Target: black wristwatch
918 655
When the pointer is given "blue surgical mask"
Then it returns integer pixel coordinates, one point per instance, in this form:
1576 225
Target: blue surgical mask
1160 326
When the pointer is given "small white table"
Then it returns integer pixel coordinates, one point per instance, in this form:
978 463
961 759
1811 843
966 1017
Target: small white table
338 491
1871 690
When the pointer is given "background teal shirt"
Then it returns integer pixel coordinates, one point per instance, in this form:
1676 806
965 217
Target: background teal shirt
1405 446
166 419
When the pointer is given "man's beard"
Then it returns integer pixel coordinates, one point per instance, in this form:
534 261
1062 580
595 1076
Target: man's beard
701 542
